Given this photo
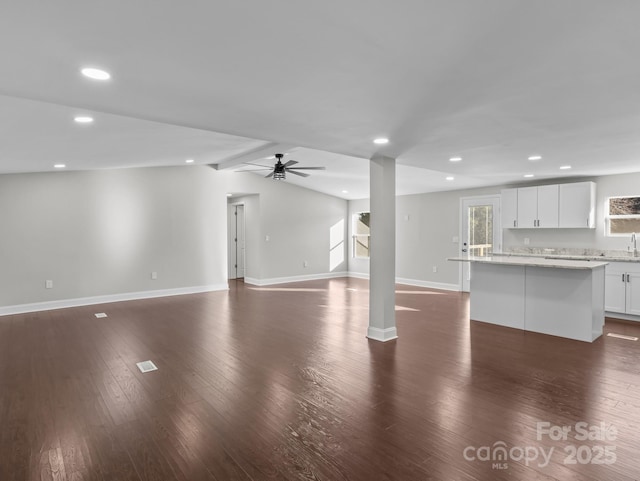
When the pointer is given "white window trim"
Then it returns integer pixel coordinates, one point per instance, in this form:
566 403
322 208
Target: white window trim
354 236
609 217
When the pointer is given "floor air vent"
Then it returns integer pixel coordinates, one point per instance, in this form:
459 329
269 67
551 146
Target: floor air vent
146 366
100 314
622 336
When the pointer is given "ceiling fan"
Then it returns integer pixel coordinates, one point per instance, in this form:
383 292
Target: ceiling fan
279 170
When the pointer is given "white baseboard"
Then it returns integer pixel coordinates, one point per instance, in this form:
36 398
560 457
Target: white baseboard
429 284
286 280
358 275
87 301
382 335
624 317
413 282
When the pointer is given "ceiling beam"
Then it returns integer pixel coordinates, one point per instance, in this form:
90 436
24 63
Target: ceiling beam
261 153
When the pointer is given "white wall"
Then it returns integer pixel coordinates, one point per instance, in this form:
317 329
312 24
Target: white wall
425 239
606 186
102 233
298 223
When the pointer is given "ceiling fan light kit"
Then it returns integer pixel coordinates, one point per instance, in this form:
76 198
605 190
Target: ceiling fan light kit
279 169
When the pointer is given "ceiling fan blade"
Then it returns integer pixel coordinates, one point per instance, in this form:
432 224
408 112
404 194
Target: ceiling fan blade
270 175
308 168
259 165
301 174
291 162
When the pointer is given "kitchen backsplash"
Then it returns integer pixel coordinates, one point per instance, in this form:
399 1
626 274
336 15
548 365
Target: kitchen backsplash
566 251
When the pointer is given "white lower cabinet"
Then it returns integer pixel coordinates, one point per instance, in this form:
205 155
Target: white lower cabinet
622 288
633 293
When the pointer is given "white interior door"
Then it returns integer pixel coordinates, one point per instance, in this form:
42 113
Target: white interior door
480 231
240 242
236 229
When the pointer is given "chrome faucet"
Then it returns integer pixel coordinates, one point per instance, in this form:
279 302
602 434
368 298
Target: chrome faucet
635 245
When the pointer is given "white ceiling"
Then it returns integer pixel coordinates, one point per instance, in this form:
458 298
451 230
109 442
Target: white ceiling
493 81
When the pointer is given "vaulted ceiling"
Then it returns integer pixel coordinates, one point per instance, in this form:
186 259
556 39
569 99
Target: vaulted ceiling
492 81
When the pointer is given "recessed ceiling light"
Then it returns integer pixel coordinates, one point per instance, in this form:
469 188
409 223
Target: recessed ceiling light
381 140
535 157
83 119
450 178
189 161
528 175
96 73
59 166
565 167
229 195
271 157
455 159
345 191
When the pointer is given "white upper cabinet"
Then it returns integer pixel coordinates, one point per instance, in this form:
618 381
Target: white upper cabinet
549 206
527 207
538 206
578 205
509 208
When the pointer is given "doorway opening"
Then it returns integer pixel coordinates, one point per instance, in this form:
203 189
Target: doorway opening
236 230
480 232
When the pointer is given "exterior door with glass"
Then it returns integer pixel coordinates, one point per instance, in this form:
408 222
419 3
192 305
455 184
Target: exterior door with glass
480 233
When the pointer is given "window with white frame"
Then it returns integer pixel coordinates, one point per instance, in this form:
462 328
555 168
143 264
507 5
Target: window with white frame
361 234
623 215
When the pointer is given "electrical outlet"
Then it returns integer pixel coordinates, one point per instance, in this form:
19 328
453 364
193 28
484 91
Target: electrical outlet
48 284
526 241
154 275
267 238
435 268
305 264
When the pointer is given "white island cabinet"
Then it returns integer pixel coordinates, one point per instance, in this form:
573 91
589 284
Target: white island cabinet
551 296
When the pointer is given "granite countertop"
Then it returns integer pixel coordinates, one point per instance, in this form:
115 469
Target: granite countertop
583 257
533 261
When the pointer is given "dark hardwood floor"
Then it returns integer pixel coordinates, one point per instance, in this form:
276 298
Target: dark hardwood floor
280 383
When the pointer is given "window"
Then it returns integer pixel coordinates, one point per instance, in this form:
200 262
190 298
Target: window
623 215
361 234
480 230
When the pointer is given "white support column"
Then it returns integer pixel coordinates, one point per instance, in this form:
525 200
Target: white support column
382 294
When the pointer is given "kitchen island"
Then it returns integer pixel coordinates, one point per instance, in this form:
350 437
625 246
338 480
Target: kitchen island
551 296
